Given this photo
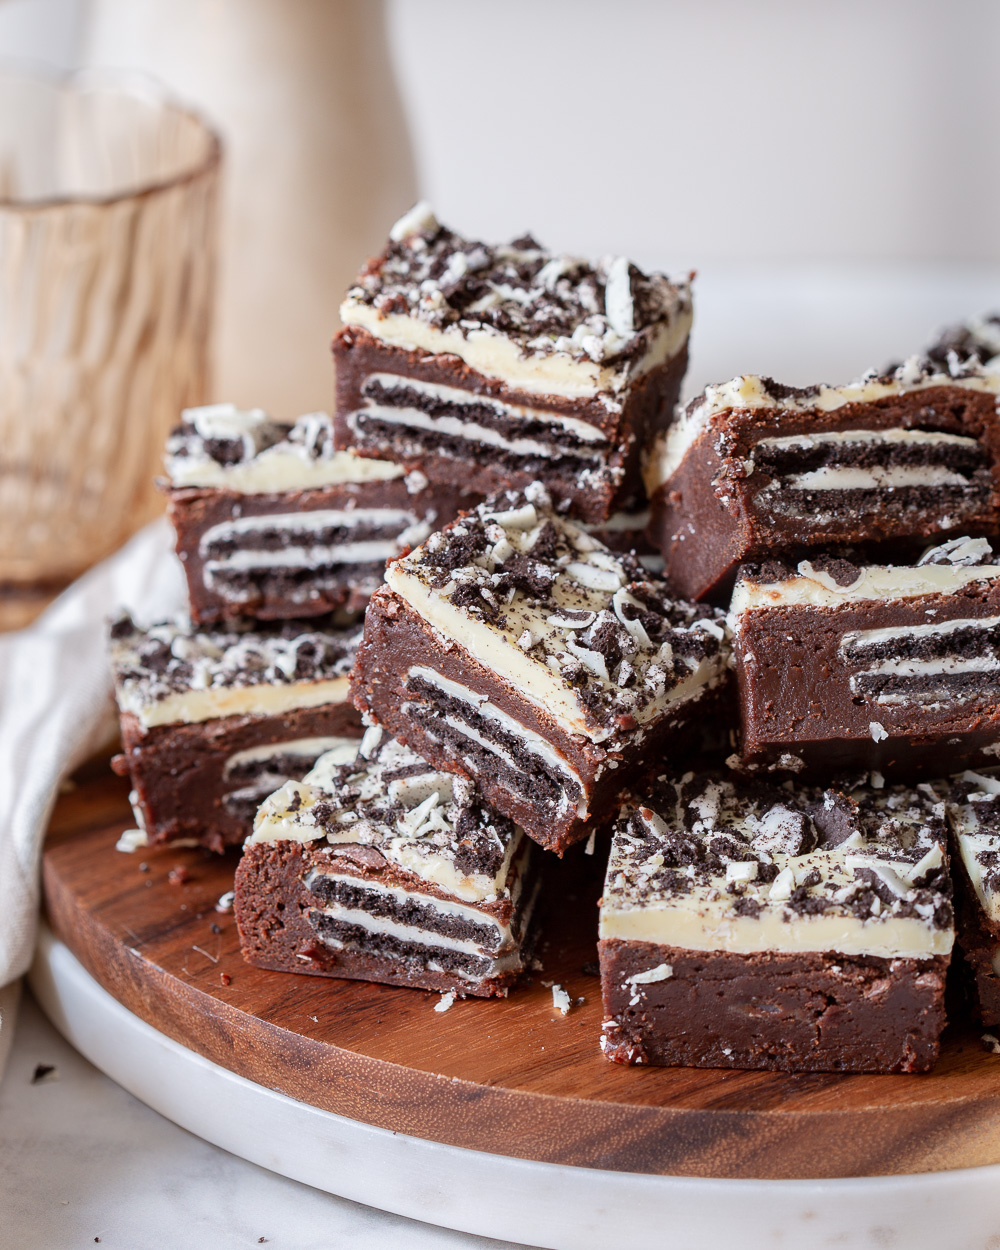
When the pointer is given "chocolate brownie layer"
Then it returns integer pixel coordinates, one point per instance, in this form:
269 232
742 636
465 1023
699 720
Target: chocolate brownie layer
203 782
495 366
753 925
790 1013
754 469
514 648
273 522
845 665
284 925
437 892
464 429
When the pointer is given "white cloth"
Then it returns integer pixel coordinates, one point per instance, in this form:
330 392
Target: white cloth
56 709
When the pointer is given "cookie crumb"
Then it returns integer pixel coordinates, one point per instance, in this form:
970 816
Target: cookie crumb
560 999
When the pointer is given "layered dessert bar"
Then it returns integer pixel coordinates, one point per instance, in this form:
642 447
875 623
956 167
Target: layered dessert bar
212 722
753 468
381 868
841 663
489 367
747 925
517 650
272 522
974 811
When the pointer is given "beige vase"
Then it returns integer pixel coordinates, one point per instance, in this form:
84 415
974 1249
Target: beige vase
318 163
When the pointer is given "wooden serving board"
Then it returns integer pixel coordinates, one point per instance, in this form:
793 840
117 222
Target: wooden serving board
508 1076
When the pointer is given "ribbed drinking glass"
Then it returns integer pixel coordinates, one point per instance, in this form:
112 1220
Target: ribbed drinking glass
108 194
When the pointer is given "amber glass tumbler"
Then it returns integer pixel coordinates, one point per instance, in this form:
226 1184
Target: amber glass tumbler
108 193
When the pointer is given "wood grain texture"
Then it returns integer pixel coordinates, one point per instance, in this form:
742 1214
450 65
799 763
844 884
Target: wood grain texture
510 1076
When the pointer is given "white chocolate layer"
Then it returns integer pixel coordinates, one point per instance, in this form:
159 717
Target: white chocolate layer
703 916
750 391
193 706
696 924
278 469
875 582
496 356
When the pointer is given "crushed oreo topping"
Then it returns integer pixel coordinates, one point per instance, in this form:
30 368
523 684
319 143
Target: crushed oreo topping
230 436
170 658
393 801
748 847
842 567
751 391
595 619
546 303
976 339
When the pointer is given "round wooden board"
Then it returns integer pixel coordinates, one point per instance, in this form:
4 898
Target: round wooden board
509 1076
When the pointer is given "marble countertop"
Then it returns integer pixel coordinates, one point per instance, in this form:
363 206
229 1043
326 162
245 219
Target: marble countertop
83 1161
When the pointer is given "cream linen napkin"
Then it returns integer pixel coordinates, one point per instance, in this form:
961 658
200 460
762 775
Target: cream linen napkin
56 708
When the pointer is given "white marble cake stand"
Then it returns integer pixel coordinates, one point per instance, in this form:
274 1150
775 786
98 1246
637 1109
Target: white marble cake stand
541 1204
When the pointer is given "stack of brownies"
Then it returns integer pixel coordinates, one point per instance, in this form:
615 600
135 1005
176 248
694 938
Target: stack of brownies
534 670
283 538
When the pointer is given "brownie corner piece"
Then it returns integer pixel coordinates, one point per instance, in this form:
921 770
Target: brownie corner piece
212 721
753 469
497 365
750 925
842 664
381 868
515 649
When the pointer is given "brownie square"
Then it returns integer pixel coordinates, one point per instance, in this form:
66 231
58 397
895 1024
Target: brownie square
381 868
747 925
212 722
514 648
843 664
493 366
272 522
754 469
